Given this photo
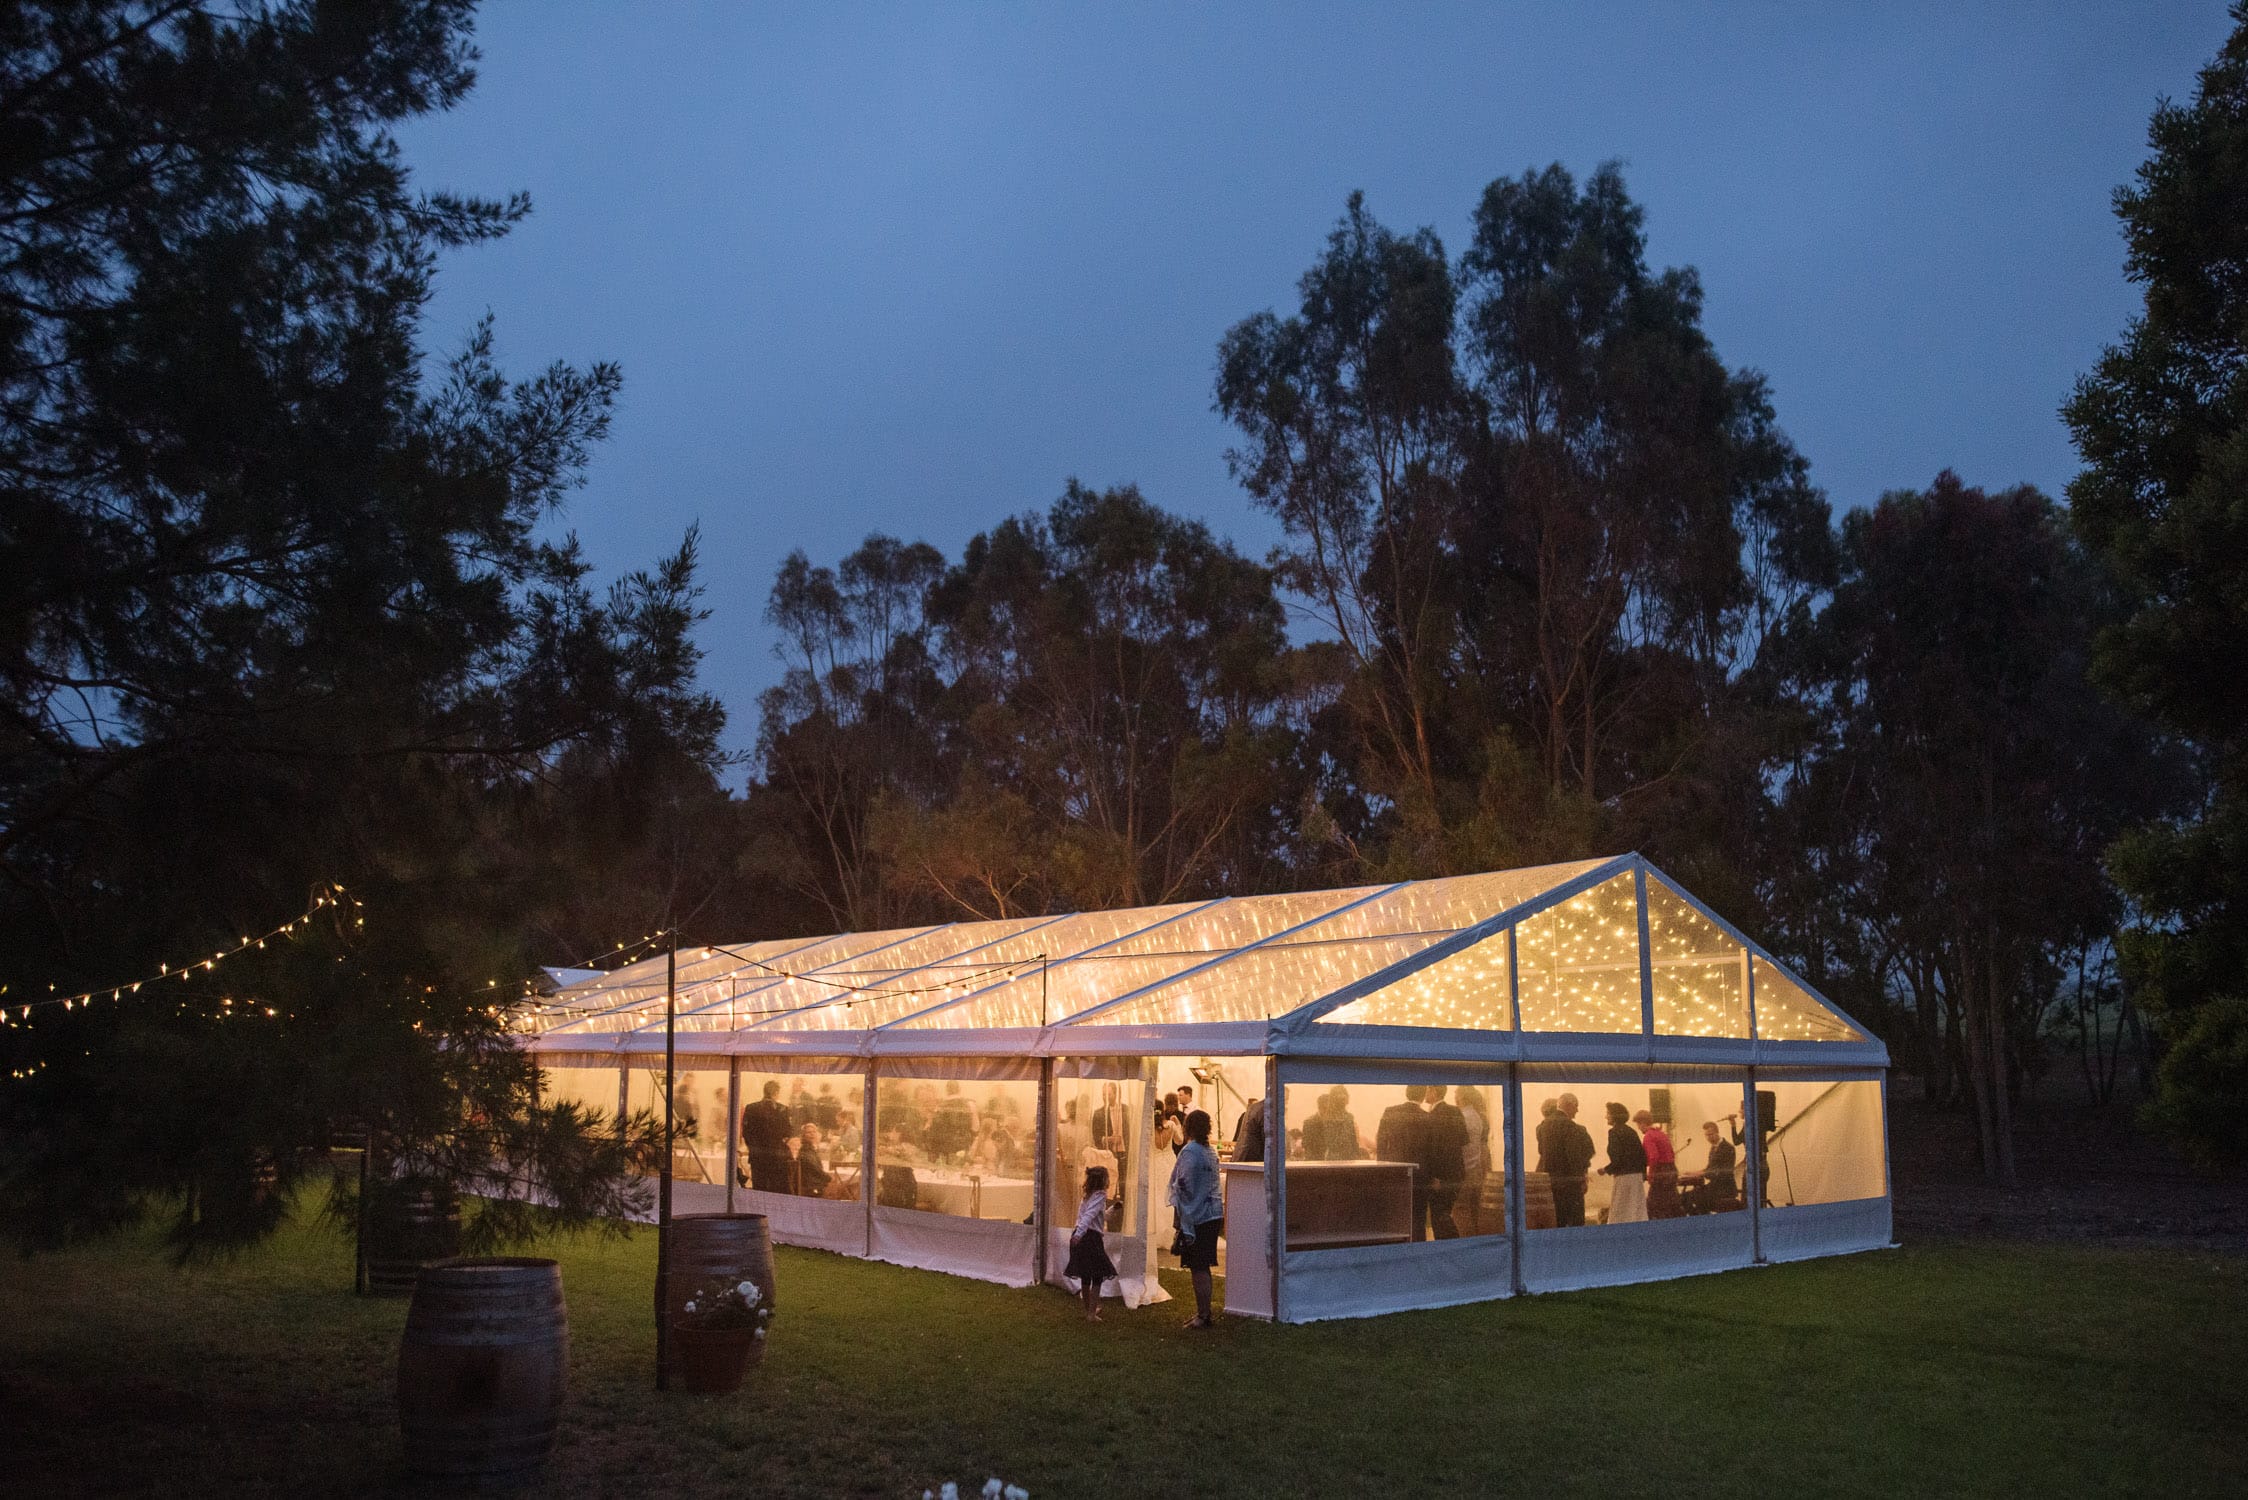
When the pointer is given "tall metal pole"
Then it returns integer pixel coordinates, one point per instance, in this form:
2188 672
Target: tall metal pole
663 1180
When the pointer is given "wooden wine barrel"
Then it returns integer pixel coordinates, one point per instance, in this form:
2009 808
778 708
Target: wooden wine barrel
482 1369
703 1246
1537 1201
409 1225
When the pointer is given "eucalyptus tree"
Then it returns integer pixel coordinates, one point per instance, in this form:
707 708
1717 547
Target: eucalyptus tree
2162 424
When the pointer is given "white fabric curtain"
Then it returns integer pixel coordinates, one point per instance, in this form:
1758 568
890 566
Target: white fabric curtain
816 1223
1560 1260
1369 1279
986 1249
1826 1229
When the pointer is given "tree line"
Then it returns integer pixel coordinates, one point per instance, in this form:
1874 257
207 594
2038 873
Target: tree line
286 604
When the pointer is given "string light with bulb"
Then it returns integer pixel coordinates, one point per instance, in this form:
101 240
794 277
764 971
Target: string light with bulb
16 1012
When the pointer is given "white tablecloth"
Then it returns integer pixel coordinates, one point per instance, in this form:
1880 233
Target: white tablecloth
948 1192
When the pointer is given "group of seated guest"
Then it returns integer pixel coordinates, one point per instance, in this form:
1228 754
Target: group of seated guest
920 1128
785 1155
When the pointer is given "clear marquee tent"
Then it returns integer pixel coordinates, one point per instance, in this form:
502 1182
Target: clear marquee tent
929 1096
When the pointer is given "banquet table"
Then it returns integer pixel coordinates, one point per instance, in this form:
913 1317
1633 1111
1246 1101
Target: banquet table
946 1191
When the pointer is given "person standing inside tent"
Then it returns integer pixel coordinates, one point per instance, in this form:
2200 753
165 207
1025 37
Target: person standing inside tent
1662 1167
1627 1165
1199 1210
1565 1156
1249 1132
1112 1133
1475 1158
1447 1162
766 1130
1331 1134
1402 1134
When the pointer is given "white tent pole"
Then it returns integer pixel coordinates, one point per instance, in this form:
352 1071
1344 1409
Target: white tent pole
1516 1196
1041 1171
867 1142
1646 957
1276 1178
624 1088
733 1125
1886 1187
1752 1158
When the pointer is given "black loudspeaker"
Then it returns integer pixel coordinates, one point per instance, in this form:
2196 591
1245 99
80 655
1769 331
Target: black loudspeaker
1767 1111
1658 1105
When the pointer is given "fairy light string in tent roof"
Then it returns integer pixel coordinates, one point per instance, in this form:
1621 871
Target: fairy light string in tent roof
330 894
555 1014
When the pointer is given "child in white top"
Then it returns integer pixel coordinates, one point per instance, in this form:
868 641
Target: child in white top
1088 1249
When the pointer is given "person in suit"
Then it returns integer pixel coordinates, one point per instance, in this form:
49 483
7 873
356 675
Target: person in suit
1249 1131
1446 1162
1112 1132
1567 1161
766 1129
1402 1135
1712 1189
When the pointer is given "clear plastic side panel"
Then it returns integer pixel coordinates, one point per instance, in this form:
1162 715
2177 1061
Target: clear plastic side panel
698 1103
1624 1153
1824 1142
802 1134
963 1146
1392 1163
1786 1012
1580 962
592 1089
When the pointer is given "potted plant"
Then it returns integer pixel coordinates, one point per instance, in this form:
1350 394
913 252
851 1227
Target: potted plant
720 1333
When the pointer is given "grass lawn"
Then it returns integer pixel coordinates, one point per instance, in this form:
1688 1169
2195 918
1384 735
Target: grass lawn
1966 1367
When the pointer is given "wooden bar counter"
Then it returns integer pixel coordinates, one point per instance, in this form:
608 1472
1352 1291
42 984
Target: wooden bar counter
1332 1204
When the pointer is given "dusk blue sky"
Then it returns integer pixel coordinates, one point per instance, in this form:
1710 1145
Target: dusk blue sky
911 269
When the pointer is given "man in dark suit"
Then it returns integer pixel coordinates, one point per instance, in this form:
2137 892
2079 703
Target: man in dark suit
766 1129
1249 1131
1402 1135
1568 1162
1447 1162
1112 1132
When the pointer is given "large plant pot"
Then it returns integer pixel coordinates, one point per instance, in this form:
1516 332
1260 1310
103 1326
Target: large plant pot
482 1369
410 1224
712 1361
738 1247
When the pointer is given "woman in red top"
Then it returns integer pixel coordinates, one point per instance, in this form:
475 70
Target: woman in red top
1662 1168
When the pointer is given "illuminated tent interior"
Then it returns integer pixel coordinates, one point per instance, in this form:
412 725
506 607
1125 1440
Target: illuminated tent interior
930 1096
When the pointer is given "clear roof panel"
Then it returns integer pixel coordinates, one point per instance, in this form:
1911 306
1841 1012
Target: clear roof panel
700 979
988 967
1786 1012
734 976
1342 948
845 981
1466 991
1149 956
1700 974
1580 961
